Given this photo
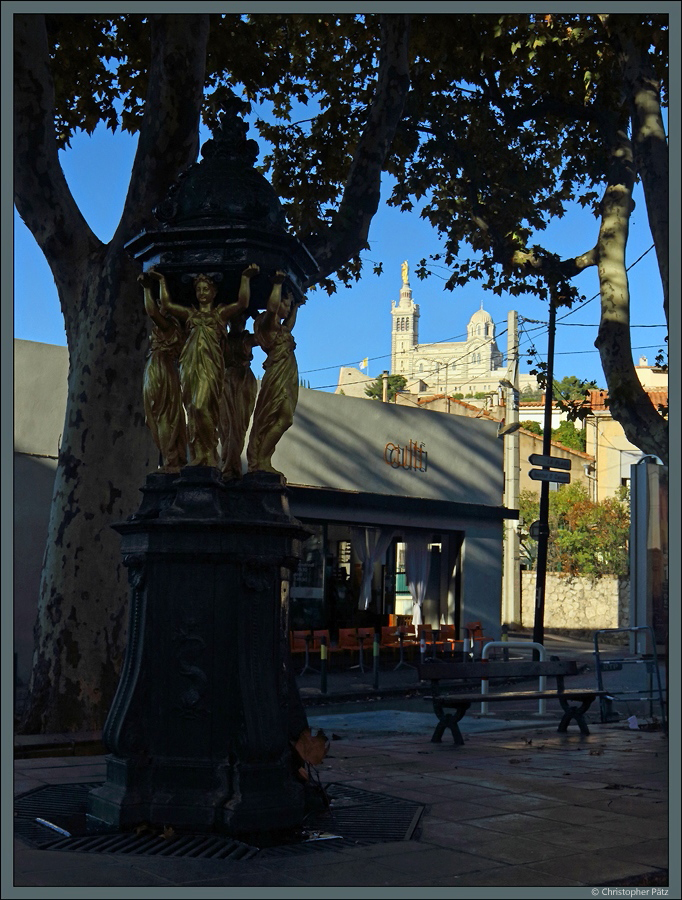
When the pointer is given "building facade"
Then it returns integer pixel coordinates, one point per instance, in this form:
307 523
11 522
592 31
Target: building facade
359 474
474 365
613 453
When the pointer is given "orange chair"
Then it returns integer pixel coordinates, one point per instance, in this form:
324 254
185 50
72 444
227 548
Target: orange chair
348 640
389 638
448 639
318 634
474 632
297 641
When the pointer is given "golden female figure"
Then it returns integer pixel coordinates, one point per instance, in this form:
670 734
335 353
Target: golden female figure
202 366
279 389
161 386
239 397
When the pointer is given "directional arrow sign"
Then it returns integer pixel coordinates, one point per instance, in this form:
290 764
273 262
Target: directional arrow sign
552 462
546 475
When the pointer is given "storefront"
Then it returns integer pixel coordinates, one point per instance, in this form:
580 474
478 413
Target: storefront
395 498
384 488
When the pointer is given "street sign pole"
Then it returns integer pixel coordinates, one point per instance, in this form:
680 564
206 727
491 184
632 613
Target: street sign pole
541 575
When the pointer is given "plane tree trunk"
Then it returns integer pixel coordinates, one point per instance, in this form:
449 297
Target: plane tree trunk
630 405
106 449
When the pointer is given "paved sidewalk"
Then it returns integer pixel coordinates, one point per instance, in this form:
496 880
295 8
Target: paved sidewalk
524 806
517 805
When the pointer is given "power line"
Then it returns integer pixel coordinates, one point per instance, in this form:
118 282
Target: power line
522 320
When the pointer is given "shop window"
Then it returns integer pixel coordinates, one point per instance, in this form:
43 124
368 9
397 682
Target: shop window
307 588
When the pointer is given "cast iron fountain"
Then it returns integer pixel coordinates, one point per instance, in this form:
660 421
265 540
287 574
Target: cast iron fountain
199 731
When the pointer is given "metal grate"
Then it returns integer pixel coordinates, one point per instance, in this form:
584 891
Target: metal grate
186 846
356 817
360 818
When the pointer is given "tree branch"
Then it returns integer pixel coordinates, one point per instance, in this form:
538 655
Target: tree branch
42 196
348 232
169 137
567 268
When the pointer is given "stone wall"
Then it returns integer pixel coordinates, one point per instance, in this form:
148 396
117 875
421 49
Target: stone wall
578 604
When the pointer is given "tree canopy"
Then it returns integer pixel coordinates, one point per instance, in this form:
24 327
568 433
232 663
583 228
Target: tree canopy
570 436
586 538
395 383
495 123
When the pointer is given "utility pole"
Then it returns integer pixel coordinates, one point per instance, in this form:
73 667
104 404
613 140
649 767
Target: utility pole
543 519
384 376
511 594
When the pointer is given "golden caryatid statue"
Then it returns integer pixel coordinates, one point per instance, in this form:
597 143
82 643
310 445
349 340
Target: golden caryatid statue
239 396
404 272
161 387
202 365
279 387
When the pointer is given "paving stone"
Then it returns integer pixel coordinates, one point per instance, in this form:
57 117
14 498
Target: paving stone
602 819
460 812
511 823
512 876
515 850
582 837
641 806
648 853
593 868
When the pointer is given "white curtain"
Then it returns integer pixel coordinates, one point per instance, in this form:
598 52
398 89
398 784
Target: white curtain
417 566
370 544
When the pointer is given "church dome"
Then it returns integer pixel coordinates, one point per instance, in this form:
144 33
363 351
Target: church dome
481 324
480 316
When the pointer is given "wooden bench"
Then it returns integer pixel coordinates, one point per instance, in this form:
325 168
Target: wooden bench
574 703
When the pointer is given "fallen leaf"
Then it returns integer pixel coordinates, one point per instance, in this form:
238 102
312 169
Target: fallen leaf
312 749
168 833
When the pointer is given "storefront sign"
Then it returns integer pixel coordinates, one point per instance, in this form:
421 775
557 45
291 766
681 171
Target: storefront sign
413 456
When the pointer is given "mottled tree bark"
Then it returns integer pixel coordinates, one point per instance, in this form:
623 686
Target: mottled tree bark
650 145
629 403
106 448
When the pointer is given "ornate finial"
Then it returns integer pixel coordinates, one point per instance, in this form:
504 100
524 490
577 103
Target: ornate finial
404 271
229 138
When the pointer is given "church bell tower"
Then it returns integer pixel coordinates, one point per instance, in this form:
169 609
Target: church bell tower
405 333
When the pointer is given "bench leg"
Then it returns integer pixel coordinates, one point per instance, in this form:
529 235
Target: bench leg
574 712
449 720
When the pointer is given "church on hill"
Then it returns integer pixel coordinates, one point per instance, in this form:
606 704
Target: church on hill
467 367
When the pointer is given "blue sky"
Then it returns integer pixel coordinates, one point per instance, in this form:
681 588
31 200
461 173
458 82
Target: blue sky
355 323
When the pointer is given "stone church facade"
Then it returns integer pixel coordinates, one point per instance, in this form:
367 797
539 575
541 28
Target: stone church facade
468 367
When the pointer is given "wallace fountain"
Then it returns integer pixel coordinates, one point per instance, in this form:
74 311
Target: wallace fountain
200 728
